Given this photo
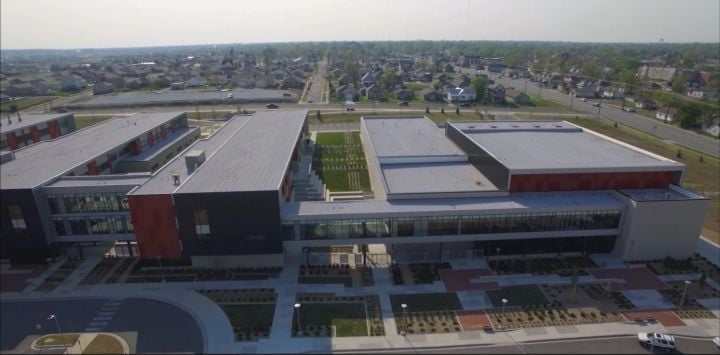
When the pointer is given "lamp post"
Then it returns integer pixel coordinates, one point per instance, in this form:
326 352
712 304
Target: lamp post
62 336
682 300
404 310
297 314
502 310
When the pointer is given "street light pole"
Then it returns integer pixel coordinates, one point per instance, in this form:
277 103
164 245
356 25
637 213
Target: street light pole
62 336
682 300
297 313
404 309
502 310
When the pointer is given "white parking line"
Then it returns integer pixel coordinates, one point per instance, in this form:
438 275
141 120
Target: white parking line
94 329
98 324
106 313
102 318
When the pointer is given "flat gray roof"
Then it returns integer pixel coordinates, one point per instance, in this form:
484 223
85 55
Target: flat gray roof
162 182
514 203
547 146
170 139
253 159
40 162
659 194
434 177
28 120
402 136
101 180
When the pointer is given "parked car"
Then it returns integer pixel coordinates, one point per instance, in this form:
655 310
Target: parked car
583 99
630 109
403 103
272 106
229 96
596 104
657 340
465 104
716 341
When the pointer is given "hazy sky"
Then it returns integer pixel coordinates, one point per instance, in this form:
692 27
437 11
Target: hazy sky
130 23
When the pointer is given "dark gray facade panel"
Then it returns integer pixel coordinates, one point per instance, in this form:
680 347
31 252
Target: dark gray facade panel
28 245
479 158
240 223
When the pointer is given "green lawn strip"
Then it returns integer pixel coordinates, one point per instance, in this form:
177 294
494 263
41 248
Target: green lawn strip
538 101
331 138
700 176
85 121
349 319
245 316
517 296
25 102
426 302
345 280
434 115
104 344
207 115
54 340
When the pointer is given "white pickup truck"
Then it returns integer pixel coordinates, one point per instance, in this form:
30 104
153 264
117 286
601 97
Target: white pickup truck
657 340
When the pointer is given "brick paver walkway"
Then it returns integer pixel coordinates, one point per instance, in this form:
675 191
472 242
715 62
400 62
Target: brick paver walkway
637 278
664 316
459 280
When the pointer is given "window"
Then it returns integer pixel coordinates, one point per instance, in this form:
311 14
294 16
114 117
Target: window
16 218
202 223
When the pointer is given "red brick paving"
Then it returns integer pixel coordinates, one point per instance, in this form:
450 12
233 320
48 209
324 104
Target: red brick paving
473 320
636 278
459 280
664 316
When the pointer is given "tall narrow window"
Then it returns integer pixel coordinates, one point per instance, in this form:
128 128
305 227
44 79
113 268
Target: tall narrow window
202 224
16 218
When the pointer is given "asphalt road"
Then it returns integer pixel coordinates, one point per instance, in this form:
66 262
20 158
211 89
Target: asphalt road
648 125
160 327
318 83
618 345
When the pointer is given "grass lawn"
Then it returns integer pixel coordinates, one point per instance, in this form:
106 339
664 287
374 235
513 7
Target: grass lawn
209 115
426 302
538 101
349 319
26 102
699 176
345 280
84 121
104 344
338 163
331 138
249 315
517 296
434 115
53 340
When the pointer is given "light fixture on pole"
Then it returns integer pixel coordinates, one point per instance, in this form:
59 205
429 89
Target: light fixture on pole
504 302
297 314
682 300
404 309
62 336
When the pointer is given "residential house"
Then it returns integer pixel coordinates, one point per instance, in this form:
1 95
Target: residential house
373 92
292 82
517 97
196 82
404 94
102 88
702 94
178 85
72 83
368 79
462 95
428 94
345 92
345 79
646 104
464 81
712 129
495 94
495 68
585 91
666 113
426 77
449 68
610 93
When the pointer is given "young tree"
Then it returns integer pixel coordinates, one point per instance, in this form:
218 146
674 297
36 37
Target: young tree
457 110
479 85
689 116
678 85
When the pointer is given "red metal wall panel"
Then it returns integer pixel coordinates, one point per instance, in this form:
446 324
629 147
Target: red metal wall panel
12 141
92 168
53 129
35 134
153 219
593 181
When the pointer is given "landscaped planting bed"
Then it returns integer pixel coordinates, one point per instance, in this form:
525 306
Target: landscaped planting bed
56 278
695 265
694 313
601 294
427 273
397 278
320 274
427 312
250 311
179 272
544 316
327 315
340 162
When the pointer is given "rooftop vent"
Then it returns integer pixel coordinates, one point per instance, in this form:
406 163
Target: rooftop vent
515 126
193 159
536 126
176 179
493 126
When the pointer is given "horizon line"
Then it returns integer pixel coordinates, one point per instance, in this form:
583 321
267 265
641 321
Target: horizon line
342 41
